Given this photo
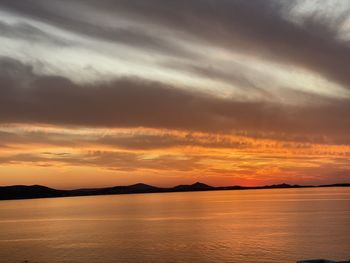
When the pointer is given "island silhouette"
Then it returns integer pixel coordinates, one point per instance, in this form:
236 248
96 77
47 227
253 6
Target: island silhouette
38 191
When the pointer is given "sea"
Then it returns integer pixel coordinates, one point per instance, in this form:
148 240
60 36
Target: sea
246 226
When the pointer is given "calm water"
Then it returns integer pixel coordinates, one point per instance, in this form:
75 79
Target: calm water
227 226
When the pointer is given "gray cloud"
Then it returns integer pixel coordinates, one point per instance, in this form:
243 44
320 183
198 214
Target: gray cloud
29 33
237 75
127 35
130 102
258 28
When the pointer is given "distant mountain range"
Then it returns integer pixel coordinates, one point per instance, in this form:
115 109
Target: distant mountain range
38 191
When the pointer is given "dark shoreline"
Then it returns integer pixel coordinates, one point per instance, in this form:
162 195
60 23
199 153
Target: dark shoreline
18 192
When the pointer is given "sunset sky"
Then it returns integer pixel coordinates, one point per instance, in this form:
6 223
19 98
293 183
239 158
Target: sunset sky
227 92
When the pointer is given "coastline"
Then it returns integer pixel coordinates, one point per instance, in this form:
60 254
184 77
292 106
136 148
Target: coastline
20 192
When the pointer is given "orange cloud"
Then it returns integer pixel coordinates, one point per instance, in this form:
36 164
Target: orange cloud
216 158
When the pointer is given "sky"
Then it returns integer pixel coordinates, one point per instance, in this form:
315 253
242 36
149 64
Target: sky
228 92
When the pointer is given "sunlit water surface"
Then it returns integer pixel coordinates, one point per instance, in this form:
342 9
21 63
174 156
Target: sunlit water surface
224 226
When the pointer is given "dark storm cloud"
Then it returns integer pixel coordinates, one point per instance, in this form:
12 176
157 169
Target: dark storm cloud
131 102
258 28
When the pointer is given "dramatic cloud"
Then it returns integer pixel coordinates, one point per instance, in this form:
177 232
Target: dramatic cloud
131 102
257 91
258 28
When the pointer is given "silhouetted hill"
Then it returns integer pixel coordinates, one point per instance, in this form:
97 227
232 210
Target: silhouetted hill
24 192
193 187
38 191
129 189
284 186
142 187
135 188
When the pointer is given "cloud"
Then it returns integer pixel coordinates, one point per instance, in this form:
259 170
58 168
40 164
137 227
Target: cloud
134 140
23 137
255 89
27 97
119 34
257 168
119 161
29 33
244 47
258 28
